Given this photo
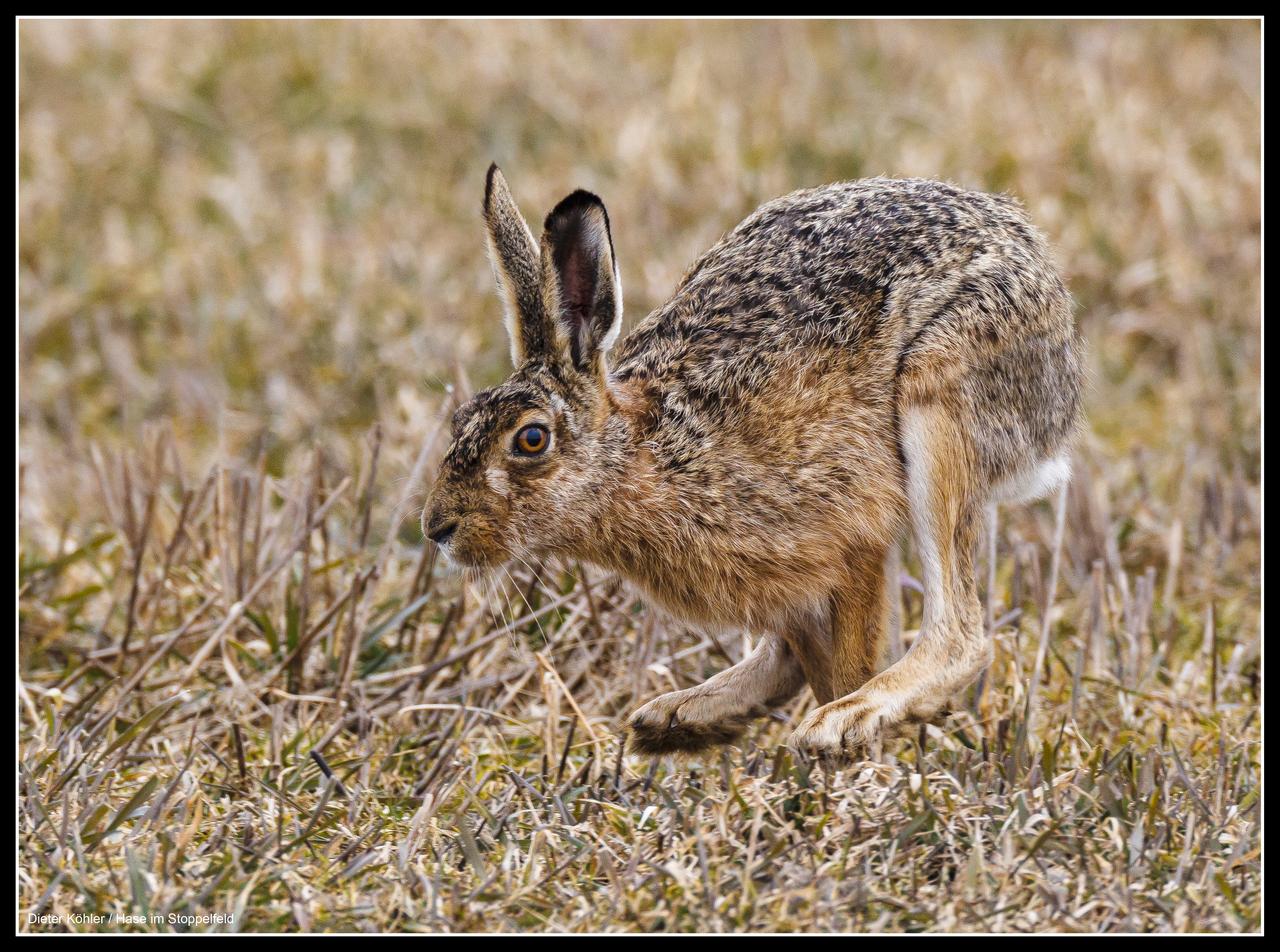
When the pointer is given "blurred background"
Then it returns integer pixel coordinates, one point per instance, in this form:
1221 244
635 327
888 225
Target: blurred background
268 233
254 250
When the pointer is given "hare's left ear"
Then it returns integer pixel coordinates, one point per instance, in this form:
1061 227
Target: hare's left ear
518 270
581 289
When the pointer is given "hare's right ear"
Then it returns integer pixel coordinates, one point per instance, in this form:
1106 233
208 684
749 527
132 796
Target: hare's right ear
581 288
517 268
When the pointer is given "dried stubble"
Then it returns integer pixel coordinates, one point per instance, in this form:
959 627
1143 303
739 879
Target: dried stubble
251 272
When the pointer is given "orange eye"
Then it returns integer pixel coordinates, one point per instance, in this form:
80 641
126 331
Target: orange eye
532 440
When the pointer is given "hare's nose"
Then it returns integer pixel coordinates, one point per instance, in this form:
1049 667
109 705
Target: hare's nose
439 529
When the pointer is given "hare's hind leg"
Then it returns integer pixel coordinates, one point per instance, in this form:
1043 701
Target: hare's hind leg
719 709
951 649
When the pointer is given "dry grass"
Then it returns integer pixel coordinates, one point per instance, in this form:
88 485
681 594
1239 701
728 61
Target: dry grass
251 259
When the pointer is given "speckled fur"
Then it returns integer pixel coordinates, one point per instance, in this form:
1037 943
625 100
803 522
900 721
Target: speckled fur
850 360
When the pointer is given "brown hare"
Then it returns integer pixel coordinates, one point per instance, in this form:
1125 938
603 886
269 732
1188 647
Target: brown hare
850 360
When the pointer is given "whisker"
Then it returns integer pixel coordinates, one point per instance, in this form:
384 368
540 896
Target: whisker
520 591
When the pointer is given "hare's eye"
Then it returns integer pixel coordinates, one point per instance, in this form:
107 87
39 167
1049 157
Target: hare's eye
532 440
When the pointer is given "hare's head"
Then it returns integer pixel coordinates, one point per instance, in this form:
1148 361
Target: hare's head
526 466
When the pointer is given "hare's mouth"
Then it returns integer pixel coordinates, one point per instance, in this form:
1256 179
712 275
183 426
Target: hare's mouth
473 551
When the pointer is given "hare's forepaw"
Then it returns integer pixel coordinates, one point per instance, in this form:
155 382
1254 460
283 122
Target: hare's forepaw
685 722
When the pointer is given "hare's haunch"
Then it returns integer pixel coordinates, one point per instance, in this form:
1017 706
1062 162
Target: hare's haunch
848 361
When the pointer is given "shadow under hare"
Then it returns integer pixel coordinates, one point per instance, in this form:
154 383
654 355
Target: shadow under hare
849 361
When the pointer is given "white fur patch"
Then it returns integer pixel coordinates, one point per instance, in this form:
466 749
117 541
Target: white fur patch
1043 479
446 551
607 343
915 447
497 480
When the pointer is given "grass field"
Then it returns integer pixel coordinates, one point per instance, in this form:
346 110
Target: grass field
253 285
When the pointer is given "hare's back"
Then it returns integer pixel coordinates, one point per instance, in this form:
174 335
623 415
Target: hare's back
843 265
816 311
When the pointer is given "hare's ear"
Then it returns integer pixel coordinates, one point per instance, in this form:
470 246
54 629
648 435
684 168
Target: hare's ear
581 289
516 267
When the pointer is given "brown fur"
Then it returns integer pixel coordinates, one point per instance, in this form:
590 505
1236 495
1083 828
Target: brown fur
848 360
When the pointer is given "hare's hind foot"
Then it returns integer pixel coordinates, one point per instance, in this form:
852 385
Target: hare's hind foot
952 648
719 710
863 722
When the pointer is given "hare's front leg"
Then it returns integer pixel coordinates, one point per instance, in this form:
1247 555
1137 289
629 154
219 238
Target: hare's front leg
951 649
717 711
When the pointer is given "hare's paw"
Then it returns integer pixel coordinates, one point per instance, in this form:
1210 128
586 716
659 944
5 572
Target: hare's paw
849 725
685 722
